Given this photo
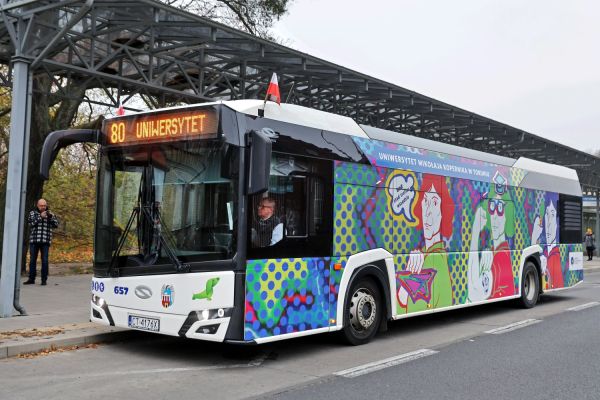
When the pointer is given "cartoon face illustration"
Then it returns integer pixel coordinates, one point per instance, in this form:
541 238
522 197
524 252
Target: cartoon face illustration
432 212
550 222
434 218
496 207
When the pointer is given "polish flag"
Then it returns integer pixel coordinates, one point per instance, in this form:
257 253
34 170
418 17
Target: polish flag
273 90
121 109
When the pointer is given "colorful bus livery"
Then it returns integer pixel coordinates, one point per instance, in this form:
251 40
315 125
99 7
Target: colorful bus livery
362 226
451 240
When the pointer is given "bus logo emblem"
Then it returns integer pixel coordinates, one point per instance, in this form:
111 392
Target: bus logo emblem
143 292
167 295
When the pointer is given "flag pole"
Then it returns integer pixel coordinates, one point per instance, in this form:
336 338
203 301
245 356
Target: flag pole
273 91
261 112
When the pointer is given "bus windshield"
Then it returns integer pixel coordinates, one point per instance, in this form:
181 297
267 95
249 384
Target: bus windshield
172 203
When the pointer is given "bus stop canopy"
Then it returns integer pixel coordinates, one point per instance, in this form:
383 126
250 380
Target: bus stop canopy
159 52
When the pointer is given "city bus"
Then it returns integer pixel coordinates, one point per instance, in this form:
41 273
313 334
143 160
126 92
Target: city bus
245 222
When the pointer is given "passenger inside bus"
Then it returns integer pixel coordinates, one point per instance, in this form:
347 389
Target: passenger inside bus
267 228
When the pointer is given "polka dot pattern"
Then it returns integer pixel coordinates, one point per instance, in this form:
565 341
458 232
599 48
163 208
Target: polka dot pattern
362 218
522 237
516 176
290 295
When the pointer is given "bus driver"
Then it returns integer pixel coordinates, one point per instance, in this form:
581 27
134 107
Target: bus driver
267 229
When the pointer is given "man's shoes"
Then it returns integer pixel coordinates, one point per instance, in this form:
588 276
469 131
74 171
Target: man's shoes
43 283
29 282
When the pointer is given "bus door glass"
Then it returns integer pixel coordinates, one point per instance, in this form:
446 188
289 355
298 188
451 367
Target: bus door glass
126 198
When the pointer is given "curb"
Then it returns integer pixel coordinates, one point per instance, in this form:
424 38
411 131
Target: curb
15 349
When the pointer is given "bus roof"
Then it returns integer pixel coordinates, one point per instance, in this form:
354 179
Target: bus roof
540 175
299 115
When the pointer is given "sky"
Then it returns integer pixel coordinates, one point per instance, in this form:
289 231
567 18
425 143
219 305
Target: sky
532 64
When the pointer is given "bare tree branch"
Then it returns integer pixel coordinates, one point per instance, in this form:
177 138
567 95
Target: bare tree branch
242 18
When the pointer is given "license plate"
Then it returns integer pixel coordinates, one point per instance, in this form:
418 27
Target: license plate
143 323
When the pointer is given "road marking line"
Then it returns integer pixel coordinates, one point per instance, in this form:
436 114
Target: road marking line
583 306
514 326
381 364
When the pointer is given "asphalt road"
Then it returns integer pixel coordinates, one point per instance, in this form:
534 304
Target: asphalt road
555 356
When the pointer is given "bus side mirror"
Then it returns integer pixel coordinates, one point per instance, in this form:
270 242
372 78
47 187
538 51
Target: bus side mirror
58 139
260 162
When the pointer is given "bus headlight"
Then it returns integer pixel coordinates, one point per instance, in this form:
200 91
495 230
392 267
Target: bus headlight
204 315
97 300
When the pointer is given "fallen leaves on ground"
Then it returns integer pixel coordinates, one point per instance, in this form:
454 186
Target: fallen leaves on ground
26 333
53 350
69 250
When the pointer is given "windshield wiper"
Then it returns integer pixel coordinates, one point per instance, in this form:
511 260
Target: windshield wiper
179 266
112 271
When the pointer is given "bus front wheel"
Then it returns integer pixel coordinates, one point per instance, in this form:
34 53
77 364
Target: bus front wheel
530 286
363 312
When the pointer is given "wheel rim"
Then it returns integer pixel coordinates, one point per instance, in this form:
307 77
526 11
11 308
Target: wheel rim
529 286
363 310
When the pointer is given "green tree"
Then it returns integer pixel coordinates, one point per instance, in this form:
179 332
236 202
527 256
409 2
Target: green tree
71 196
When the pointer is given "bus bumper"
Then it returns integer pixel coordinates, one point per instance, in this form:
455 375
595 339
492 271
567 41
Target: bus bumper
196 306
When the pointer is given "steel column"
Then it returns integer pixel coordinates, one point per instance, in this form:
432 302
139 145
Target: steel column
16 187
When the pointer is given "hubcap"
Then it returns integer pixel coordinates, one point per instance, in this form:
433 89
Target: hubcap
363 310
529 286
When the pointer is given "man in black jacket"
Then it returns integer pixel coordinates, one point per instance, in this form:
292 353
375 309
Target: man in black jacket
41 224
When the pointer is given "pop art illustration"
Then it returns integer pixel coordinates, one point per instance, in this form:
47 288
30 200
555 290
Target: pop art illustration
545 232
428 265
490 272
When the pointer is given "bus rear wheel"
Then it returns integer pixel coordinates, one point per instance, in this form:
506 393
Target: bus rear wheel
362 313
530 286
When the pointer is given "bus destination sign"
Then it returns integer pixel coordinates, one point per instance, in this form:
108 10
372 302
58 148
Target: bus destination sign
160 127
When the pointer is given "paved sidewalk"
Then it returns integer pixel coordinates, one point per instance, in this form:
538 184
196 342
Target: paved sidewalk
58 316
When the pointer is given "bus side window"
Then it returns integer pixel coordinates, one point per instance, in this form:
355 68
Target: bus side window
300 199
295 208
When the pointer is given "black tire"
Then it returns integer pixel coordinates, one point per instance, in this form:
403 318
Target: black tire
363 311
530 286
